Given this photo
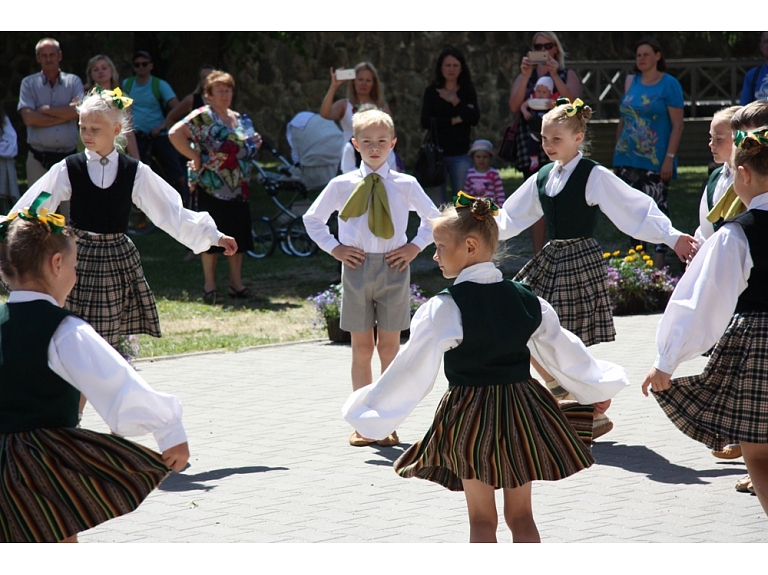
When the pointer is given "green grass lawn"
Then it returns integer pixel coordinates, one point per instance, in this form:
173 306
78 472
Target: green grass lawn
286 282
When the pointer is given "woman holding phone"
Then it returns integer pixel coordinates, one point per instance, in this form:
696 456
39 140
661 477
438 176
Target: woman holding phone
363 88
545 59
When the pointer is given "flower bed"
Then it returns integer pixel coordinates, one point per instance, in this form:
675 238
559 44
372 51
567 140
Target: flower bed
328 310
635 286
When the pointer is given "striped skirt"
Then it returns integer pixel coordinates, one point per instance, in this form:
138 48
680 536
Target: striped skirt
728 401
571 276
59 482
111 292
502 435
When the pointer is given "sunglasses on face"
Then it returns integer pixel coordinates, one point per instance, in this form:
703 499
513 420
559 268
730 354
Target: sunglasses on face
547 46
141 64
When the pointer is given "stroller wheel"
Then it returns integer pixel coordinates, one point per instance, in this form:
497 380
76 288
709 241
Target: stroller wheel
298 239
264 239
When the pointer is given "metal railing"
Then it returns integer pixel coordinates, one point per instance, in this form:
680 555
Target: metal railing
708 85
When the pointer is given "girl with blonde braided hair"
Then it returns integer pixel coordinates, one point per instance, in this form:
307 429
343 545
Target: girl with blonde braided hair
495 427
111 292
569 272
722 300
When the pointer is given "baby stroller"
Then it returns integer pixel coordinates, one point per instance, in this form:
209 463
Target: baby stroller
315 149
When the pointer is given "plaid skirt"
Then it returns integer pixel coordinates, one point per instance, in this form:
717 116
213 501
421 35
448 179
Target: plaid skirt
570 275
728 401
59 482
111 292
502 435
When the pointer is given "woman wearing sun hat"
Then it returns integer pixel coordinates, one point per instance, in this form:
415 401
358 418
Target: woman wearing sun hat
483 181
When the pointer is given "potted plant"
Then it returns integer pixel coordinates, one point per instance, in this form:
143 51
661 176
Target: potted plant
328 309
634 285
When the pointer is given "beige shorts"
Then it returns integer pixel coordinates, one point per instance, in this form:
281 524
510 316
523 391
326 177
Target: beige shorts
375 294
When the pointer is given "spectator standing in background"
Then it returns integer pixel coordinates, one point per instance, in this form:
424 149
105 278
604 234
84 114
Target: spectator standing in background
47 107
756 81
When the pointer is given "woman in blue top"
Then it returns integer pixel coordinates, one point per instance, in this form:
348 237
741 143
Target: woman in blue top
650 129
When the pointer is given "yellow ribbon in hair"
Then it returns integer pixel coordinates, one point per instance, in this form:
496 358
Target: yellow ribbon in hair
121 102
572 108
727 207
371 191
56 222
464 200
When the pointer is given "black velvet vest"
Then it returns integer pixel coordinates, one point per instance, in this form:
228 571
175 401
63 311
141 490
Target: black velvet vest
568 215
101 211
755 226
711 185
31 395
497 320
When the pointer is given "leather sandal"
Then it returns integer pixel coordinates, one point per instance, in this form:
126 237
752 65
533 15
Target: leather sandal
244 293
357 440
212 297
390 440
731 451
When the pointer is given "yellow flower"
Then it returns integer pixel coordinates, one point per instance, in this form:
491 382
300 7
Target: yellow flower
628 259
606 255
631 251
639 248
616 253
649 263
646 258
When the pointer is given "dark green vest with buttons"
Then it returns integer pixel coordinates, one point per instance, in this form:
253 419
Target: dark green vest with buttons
31 395
568 215
711 185
497 320
755 226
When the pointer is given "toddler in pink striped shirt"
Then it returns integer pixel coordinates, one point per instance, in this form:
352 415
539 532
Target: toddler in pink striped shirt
483 181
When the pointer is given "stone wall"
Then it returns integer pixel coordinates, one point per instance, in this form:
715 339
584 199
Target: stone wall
281 74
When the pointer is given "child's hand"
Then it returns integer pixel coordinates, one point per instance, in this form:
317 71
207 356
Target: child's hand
524 110
401 257
348 255
229 244
658 380
176 457
601 406
686 247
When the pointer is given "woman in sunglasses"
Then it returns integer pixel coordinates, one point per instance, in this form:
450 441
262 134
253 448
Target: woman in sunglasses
545 59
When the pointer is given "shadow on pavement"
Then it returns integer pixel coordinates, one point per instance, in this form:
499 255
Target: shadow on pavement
388 454
641 459
185 482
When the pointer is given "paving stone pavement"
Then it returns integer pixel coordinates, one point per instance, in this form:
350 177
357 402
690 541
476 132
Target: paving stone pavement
270 463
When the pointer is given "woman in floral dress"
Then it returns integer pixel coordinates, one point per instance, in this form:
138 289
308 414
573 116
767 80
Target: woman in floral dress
220 153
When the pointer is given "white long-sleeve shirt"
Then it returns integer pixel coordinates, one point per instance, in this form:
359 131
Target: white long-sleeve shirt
702 305
151 194
706 228
630 210
9 146
121 397
404 195
379 408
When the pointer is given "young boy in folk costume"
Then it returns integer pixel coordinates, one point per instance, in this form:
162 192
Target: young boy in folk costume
373 204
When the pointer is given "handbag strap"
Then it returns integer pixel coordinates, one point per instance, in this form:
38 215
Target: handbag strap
431 135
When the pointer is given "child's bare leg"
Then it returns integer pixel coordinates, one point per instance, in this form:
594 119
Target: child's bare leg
518 513
236 271
72 539
387 347
362 354
756 458
209 270
541 371
481 506
539 235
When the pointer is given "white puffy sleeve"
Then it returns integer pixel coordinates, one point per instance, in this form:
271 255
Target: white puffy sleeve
120 395
566 358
